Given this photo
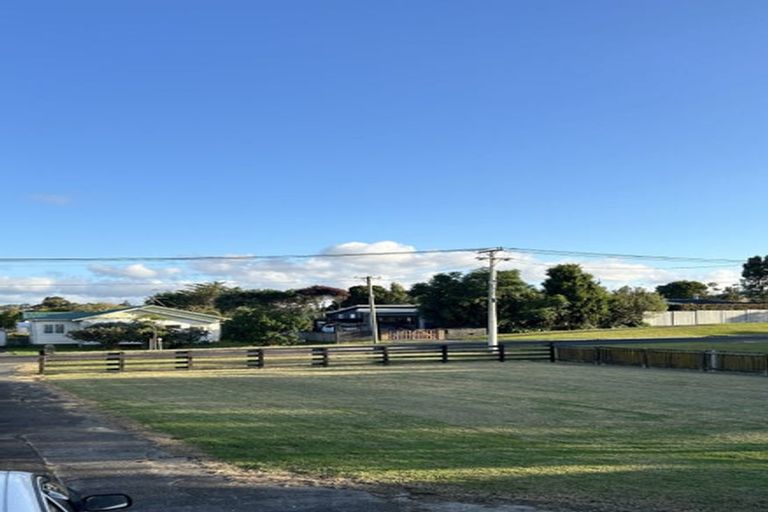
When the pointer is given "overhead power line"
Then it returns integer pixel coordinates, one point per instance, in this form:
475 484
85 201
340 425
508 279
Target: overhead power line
125 259
553 252
230 258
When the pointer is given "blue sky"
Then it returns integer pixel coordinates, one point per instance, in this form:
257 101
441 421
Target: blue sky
249 127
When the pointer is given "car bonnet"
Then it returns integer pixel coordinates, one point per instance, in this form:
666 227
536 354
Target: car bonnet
17 492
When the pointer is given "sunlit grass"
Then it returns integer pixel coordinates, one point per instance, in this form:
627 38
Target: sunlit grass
693 331
600 437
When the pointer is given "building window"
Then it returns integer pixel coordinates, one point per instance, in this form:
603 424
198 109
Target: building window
59 328
48 328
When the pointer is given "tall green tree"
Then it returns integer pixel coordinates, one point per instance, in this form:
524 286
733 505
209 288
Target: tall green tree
461 300
235 298
627 306
754 278
586 301
56 303
683 290
267 325
8 318
199 297
395 294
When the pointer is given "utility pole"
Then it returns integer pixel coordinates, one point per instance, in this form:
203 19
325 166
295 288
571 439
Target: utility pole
372 307
372 321
493 339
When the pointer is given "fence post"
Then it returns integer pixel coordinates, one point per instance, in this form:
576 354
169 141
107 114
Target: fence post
597 355
41 361
183 360
765 372
713 360
704 361
552 353
254 358
502 353
644 356
114 361
320 356
384 355
444 353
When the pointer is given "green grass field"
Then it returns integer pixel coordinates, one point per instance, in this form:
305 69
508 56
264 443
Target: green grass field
590 438
646 332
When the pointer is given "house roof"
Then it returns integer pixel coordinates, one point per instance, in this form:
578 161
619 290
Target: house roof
82 315
391 308
56 315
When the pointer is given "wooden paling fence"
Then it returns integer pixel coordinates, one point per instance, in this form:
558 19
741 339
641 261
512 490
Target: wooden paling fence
703 360
255 357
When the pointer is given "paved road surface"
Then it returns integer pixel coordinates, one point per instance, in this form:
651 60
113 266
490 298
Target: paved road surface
44 431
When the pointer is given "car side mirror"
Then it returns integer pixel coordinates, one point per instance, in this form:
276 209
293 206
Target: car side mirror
105 502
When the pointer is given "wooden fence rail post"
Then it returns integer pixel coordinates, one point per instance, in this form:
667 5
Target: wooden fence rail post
41 361
384 355
183 360
502 353
552 353
320 356
597 355
114 362
444 353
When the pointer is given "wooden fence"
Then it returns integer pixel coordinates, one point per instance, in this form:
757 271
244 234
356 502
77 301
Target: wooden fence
210 359
255 358
703 360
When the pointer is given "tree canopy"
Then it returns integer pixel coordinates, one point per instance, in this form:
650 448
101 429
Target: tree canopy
754 278
683 290
586 301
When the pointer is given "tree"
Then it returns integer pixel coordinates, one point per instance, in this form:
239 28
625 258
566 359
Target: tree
266 325
754 278
443 301
109 334
55 303
174 338
628 306
200 297
586 301
683 290
9 317
319 296
235 298
456 300
396 294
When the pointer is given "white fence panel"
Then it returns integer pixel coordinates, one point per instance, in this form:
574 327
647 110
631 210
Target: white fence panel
706 317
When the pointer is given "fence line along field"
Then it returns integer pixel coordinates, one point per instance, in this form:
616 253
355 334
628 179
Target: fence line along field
578 436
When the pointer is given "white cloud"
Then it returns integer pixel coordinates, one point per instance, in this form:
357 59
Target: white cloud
136 270
134 282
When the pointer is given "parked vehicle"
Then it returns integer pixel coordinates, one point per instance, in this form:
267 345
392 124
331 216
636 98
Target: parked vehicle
28 492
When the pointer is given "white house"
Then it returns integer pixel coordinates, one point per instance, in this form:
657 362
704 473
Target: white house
51 327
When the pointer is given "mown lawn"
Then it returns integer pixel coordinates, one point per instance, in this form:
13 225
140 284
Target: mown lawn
592 438
756 329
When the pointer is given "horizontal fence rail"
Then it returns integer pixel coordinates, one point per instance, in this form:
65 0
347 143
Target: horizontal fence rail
351 355
210 359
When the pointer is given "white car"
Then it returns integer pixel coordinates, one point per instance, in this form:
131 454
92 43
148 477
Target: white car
28 492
